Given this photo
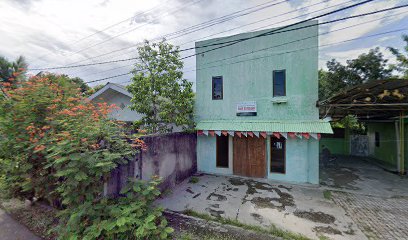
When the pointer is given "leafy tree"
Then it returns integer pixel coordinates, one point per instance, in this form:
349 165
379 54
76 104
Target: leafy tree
11 71
84 88
58 147
159 90
402 65
92 90
366 67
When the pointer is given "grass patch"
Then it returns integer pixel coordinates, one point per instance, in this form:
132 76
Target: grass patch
273 230
194 180
327 194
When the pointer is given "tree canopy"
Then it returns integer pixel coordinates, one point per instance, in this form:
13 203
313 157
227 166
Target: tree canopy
159 90
366 67
402 60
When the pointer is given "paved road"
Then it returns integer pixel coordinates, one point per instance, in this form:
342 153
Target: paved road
10 229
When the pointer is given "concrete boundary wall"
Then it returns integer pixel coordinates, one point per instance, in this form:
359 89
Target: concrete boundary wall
171 156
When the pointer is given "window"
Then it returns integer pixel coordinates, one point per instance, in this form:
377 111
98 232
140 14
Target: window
377 139
217 88
279 83
222 151
278 161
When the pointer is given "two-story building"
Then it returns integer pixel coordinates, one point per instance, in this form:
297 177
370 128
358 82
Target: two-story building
256 108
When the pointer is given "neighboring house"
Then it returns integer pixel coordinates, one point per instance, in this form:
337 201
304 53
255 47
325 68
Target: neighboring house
382 105
256 108
113 93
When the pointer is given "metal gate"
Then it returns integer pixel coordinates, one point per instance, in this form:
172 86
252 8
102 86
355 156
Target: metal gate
359 145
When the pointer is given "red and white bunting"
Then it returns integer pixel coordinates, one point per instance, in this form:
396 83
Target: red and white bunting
291 134
303 135
306 135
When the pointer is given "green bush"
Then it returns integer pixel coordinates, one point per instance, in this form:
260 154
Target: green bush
131 216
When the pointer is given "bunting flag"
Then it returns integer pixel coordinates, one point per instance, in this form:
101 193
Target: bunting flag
278 135
306 135
291 134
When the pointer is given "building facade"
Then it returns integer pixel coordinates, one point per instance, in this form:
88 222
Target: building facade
256 108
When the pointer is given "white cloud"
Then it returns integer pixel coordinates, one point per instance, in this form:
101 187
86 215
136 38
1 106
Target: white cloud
49 28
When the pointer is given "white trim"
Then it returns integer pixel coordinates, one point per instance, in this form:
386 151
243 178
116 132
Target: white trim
110 86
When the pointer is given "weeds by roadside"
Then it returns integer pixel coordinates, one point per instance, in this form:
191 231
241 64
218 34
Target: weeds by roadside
327 194
273 230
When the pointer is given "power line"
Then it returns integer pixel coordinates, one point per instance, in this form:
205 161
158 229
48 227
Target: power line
164 36
328 32
270 55
133 29
203 25
104 29
274 31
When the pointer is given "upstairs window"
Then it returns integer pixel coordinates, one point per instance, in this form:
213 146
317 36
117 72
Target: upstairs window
217 88
279 83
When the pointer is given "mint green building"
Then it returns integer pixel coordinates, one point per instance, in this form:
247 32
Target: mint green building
256 108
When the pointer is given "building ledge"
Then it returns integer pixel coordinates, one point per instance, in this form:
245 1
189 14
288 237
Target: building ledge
279 100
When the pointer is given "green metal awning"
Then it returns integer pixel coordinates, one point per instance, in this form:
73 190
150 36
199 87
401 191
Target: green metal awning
266 126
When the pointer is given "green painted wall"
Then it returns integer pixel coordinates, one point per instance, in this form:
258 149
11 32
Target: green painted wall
252 80
335 145
249 78
386 153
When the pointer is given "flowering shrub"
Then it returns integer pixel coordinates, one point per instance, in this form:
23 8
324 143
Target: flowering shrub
61 148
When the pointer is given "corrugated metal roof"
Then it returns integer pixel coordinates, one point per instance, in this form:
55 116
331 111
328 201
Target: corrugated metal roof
266 126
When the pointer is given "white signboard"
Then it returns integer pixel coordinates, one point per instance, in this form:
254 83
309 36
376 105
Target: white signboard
246 108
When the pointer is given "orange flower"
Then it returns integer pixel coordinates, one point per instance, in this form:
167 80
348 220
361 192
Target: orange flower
39 148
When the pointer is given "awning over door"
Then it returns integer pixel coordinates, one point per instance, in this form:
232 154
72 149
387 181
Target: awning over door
284 128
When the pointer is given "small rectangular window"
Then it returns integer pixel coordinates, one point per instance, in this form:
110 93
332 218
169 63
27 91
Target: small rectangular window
377 139
278 159
279 83
222 151
217 88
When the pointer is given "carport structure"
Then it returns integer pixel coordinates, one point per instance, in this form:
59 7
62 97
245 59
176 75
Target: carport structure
378 103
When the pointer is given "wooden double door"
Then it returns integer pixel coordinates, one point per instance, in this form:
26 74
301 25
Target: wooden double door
249 156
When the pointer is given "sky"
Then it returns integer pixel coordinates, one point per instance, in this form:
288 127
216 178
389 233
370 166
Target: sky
54 33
